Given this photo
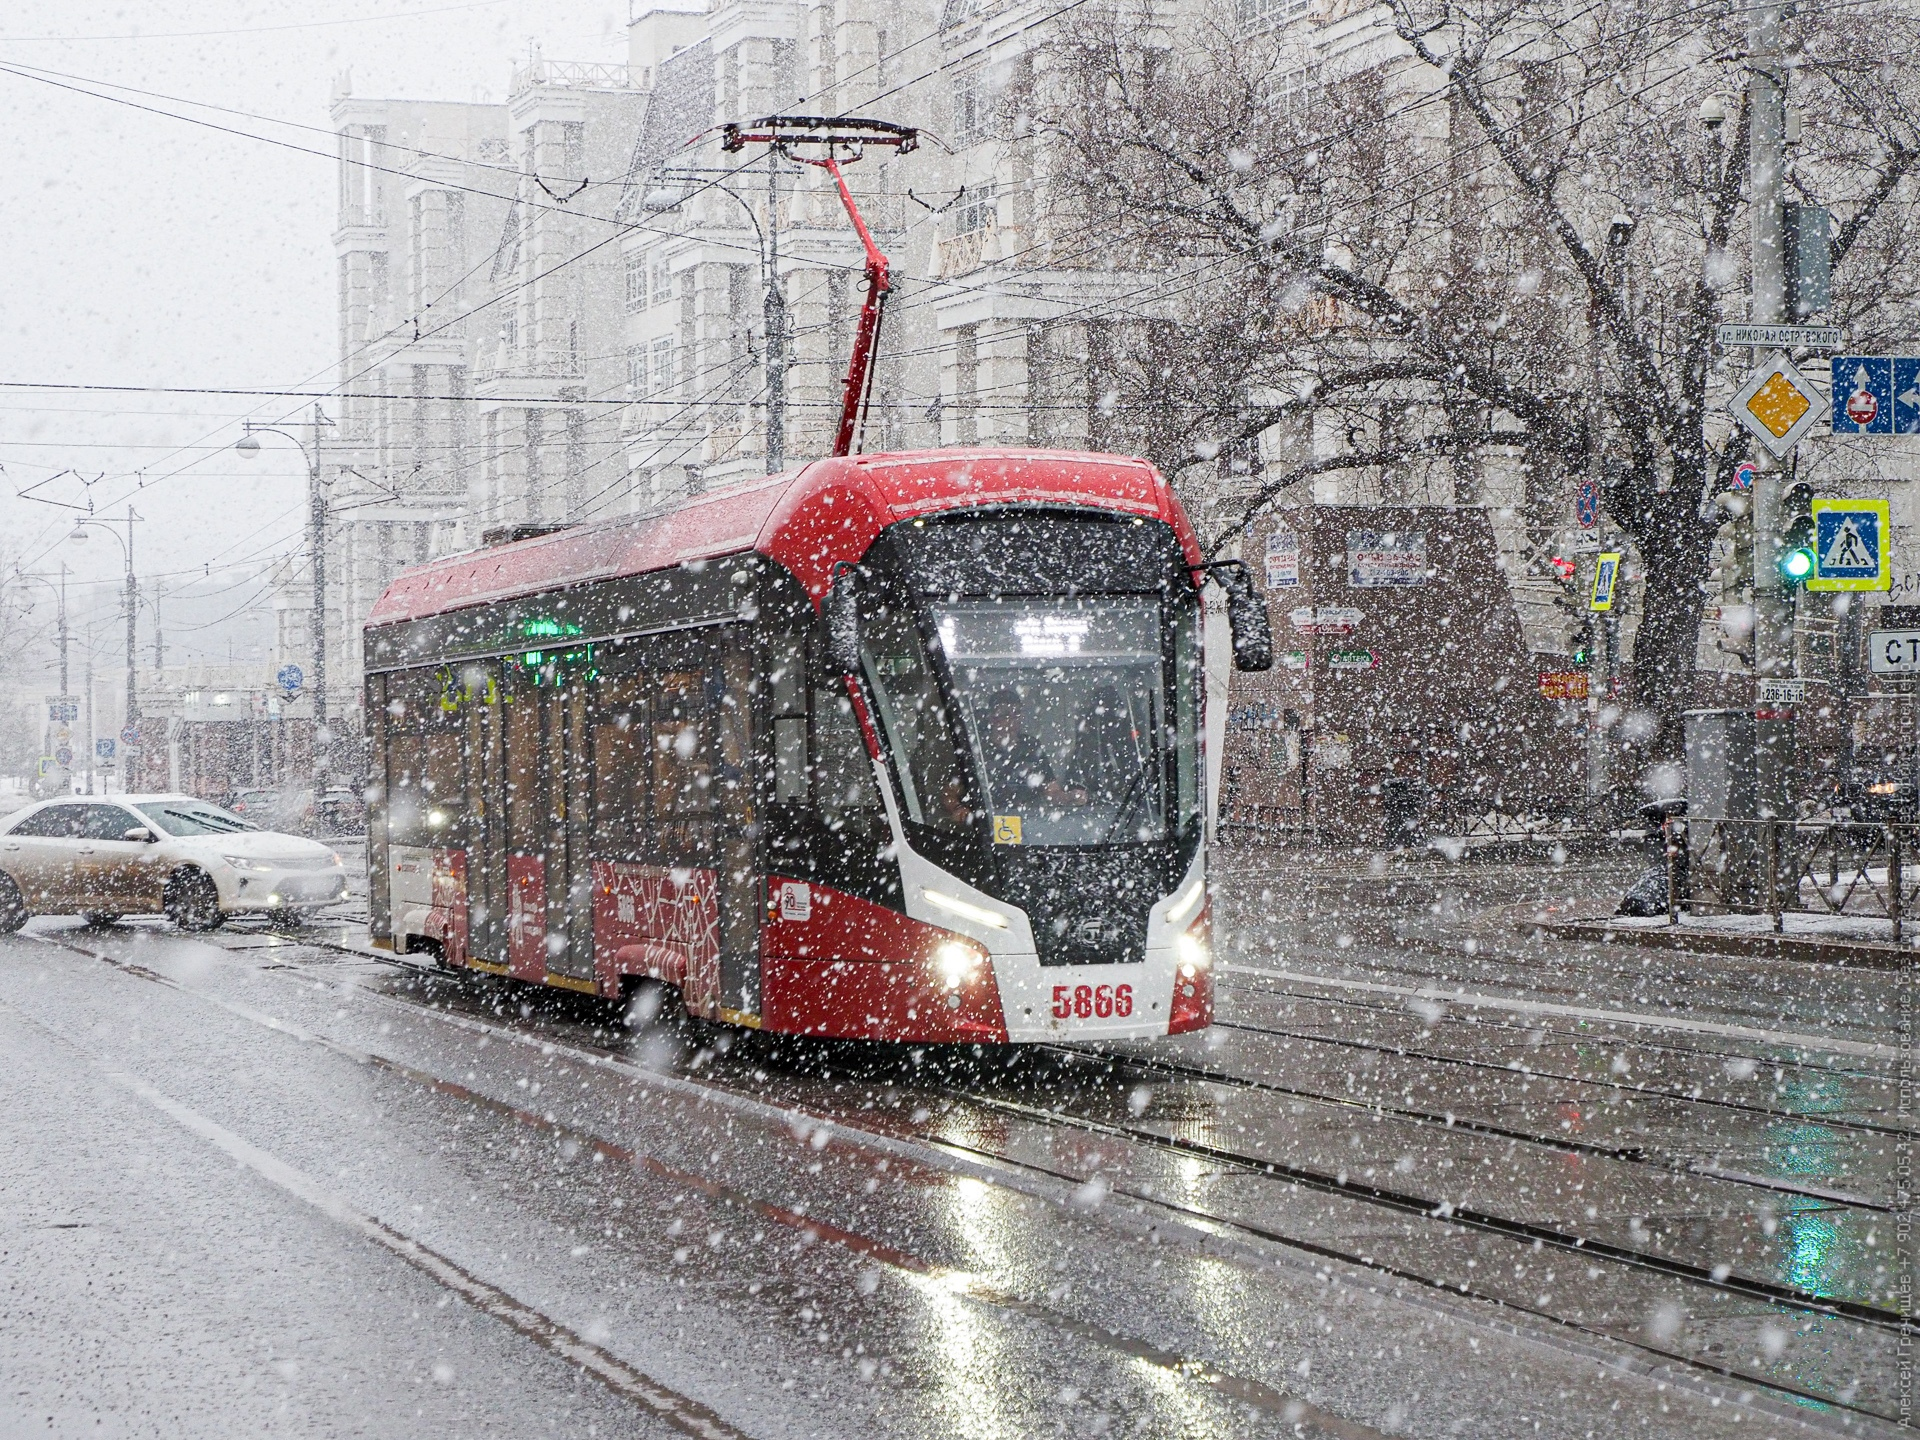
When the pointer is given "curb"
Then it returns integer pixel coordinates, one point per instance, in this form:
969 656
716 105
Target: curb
1723 942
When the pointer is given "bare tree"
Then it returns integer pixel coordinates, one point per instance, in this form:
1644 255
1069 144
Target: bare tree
1499 235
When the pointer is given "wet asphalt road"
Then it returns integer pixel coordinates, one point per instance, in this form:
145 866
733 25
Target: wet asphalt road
1426 1178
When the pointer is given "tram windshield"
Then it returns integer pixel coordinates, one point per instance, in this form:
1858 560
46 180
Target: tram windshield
1063 705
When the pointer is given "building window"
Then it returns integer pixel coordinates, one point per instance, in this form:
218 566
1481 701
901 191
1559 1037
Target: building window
970 102
636 372
1257 16
974 210
662 283
636 284
661 368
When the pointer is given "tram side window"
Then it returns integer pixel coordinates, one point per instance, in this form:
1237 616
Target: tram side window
682 731
426 761
526 817
787 670
619 764
842 771
733 745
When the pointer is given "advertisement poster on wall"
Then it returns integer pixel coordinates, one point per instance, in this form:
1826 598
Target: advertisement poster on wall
1379 559
1283 558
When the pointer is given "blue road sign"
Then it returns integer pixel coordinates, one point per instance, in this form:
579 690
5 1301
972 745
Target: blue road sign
291 677
1906 395
103 748
1863 395
1851 545
1587 507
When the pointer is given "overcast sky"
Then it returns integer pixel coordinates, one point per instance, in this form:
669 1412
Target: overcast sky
141 250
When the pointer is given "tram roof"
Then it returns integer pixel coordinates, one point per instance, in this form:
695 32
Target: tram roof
806 519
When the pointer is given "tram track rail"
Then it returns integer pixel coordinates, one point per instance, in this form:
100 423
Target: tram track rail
1531 1235
1449 1120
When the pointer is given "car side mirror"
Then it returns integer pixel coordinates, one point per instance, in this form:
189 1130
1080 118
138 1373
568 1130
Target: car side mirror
1247 618
841 610
140 834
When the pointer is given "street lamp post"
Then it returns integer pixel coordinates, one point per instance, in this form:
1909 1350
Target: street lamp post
60 594
317 547
132 602
666 199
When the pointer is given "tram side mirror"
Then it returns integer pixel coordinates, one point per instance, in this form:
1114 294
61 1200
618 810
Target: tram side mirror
1247 618
841 609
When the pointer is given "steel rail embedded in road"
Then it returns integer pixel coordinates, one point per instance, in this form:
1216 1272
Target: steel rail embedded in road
537 1033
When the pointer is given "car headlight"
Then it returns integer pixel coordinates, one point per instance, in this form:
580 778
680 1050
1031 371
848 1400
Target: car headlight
242 862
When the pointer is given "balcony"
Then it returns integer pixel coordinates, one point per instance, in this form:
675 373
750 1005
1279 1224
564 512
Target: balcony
571 75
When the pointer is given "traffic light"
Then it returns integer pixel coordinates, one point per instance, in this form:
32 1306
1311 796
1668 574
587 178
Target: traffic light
1796 536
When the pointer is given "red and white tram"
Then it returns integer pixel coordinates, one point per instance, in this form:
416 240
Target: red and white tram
892 747
898 747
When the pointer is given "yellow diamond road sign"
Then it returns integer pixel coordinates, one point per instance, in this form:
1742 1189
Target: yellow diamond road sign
1778 404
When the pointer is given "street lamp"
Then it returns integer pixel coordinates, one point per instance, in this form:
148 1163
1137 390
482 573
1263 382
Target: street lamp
663 199
80 532
249 446
60 594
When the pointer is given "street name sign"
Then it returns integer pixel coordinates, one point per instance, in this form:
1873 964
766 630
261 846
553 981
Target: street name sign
1778 404
1782 692
1811 337
1876 395
62 709
1894 652
1852 546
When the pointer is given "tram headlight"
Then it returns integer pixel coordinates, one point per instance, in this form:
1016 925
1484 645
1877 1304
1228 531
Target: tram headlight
1186 903
1192 953
958 963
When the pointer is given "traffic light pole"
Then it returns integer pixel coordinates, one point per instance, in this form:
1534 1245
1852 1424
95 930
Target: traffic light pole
1772 598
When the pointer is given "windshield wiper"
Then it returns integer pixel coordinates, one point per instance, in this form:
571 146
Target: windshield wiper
1126 804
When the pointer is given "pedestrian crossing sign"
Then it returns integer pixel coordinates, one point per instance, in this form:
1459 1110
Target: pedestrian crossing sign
1852 546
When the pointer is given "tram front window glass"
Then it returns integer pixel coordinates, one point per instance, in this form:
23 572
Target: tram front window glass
1064 704
914 718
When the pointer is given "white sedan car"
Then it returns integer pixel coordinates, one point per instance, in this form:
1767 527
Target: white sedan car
156 854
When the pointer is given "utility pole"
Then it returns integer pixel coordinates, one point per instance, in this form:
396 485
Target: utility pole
132 721
317 539
776 328
63 630
1772 606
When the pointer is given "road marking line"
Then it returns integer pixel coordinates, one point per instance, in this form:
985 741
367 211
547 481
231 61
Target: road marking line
1548 1007
687 1416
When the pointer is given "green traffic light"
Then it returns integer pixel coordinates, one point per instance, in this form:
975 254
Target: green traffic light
1797 564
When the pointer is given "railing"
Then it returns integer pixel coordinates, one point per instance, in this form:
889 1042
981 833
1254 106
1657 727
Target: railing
572 75
1541 823
1841 868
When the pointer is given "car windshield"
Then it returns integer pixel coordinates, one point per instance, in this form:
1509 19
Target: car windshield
1063 703
192 817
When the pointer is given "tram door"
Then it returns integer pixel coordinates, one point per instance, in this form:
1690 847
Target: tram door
487 853
701 805
542 867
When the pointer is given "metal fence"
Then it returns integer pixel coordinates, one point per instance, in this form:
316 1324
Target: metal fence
1777 868
1248 826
